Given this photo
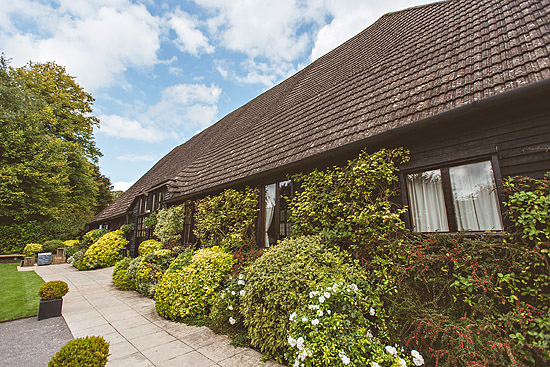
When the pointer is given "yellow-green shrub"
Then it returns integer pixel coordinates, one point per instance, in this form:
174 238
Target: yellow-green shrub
149 271
53 289
32 249
70 243
120 276
148 246
87 351
192 290
104 252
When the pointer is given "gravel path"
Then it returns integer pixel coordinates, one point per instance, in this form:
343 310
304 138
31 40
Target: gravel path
28 342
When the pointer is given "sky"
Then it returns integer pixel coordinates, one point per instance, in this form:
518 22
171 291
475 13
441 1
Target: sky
162 71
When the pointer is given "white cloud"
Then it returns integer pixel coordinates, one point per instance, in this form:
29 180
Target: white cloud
96 41
183 110
125 128
190 38
122 185
137 158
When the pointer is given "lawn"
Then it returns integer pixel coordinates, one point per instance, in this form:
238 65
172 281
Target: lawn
18 293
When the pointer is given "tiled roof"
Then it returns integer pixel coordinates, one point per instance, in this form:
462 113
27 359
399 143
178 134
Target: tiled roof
408 66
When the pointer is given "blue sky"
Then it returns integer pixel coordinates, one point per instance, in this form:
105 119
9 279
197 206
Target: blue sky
162 71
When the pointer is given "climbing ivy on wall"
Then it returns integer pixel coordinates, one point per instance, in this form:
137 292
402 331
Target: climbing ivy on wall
228 219
351 204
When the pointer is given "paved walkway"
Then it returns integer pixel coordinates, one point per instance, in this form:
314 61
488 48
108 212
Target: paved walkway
137 334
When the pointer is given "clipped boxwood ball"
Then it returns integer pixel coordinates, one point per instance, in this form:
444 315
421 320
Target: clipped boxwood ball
54 289
82 352
105 251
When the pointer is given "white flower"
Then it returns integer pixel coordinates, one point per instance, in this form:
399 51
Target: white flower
300 343
242 292
230 308
326 294
233 293
292 316
315 322
296 363
240 282
313 307
320 313
345 359
374 364
353 287
241 276
304 319
223 294
418 360
321 299
291 341
402 362
329 312
232 321
391 350
415 353
372 311
369 335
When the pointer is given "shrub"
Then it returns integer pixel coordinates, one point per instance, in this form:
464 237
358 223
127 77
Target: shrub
180 262
340 327
225 316
70 243
104 252
127 228
228 219
52 246
148 246
53 290
13 237
82 352
279 283
76 259
170 224
121 279
92 236
191 290
149 271
353 203
32 249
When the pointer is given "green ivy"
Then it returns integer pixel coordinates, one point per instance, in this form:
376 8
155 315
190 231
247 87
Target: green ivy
351 203
169 224
228 219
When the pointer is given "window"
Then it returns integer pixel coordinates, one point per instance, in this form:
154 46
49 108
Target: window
275 220
457 198
141 230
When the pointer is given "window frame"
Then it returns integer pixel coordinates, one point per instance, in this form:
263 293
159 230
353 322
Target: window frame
448 194
261 230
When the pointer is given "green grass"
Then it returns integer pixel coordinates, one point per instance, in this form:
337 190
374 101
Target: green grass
18 292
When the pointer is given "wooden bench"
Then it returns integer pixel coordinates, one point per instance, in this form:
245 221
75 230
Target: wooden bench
12 257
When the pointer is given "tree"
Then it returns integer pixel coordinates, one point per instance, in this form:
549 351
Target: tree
48 156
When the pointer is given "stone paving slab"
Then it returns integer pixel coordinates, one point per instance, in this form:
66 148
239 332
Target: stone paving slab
138 336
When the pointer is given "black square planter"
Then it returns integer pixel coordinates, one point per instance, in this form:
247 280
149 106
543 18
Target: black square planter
49 308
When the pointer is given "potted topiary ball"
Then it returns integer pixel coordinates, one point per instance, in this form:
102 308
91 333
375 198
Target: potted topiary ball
51 300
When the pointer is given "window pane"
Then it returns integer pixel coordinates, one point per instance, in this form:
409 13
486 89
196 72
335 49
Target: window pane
475 197
270 192
427 202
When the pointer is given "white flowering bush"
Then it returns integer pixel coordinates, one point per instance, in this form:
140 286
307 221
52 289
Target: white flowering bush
339 327
225 315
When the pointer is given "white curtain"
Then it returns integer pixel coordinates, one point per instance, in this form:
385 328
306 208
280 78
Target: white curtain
269 209
475 197
427 202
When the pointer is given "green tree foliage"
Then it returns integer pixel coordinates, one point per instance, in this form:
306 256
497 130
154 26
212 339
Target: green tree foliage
47 152
352 204
169 226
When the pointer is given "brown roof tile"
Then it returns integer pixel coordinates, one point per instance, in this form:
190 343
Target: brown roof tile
407 66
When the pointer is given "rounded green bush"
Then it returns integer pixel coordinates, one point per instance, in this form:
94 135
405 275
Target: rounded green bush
82 352
54 289
32 249
104 252
279 282
191 290
149 271
92 236
120 275
148 246
70 243
52 246
180 262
